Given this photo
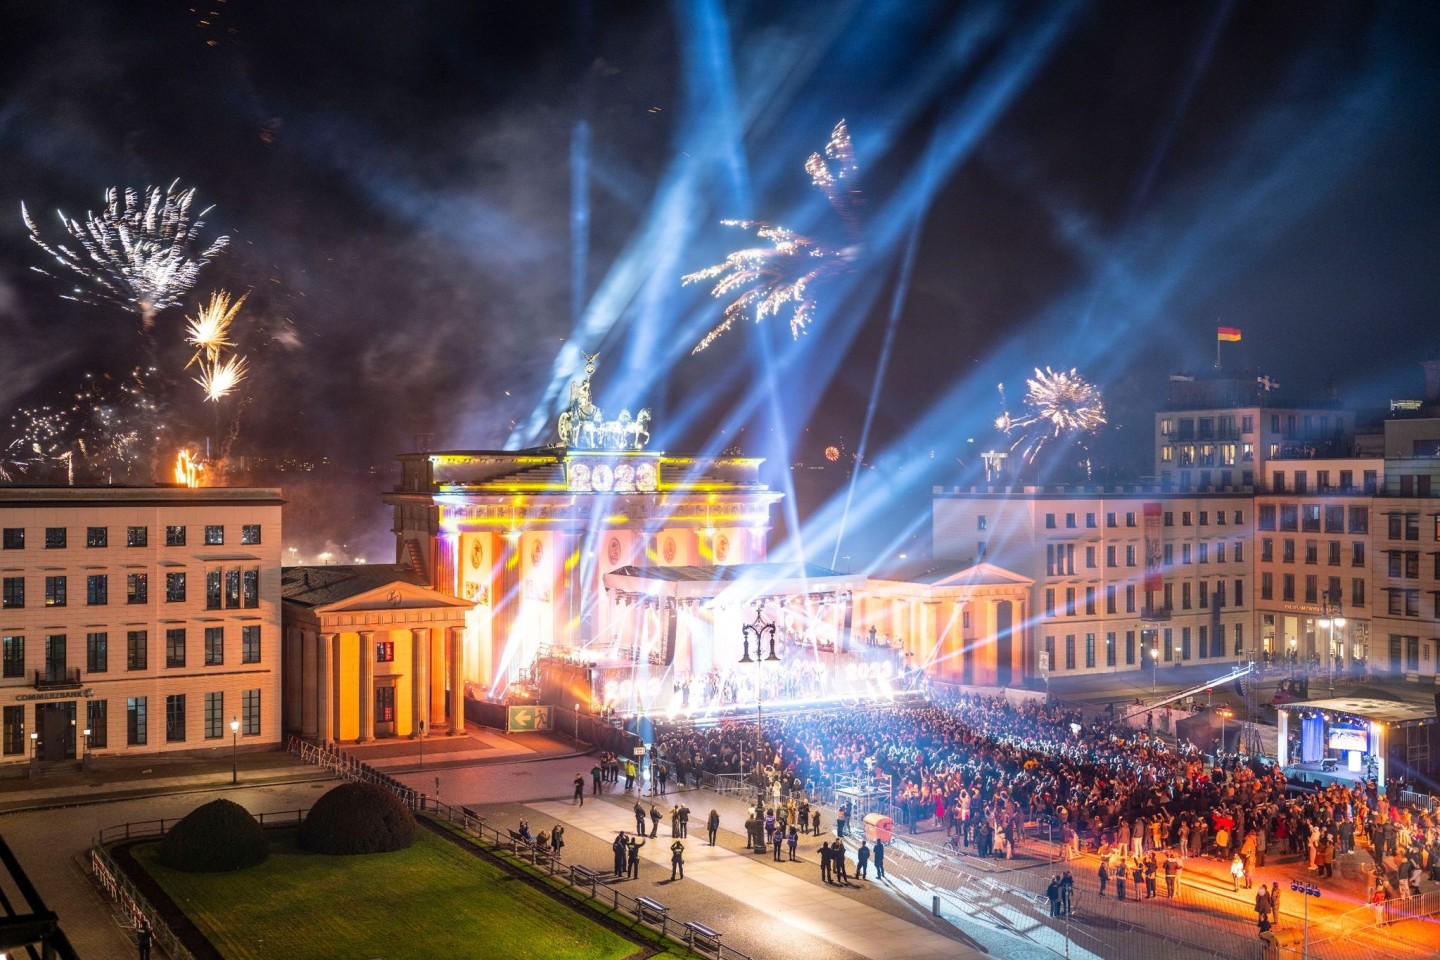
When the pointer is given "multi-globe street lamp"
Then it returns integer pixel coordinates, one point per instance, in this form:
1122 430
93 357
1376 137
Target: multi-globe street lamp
1332 620
758 630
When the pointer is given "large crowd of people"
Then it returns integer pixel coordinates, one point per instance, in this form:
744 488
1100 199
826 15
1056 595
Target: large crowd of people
986 769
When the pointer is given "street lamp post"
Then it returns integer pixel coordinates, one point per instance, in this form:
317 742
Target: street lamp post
34 749
422 744
1225 713
1331 620
1154 665
85 757
759 629
234 750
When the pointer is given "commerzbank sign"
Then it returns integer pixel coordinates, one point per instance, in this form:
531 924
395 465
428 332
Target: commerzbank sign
57 695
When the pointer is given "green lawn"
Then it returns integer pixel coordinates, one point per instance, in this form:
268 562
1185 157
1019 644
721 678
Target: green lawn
432 900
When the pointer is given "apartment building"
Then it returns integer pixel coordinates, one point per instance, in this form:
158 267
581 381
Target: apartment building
138 620
1124 577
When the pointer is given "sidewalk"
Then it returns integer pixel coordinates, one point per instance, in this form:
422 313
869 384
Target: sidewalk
119 778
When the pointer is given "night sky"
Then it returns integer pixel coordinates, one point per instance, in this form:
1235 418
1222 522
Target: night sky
436 206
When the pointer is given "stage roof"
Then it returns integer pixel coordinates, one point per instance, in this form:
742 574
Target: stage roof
1379 711
759 579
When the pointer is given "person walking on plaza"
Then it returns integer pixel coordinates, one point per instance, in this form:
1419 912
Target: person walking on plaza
1120 871
1275 903
1052 893
1103 875
677 860
655 818
1137 875
815 821
877 854
630 773
580 789
674 821
862 861
1152 866
1237 872
596 773
1067 892
838 852
1262 904
826 862
143 936
639 819
684 821
712 825
777 841
792 840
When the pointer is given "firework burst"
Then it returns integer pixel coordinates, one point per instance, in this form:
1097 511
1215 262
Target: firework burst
1057 404
219 378
137 253
768 278
208 332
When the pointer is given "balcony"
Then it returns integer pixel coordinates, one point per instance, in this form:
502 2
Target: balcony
1155 614
58 678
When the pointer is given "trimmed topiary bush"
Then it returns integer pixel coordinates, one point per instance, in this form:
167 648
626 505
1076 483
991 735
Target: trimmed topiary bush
357 818
216 838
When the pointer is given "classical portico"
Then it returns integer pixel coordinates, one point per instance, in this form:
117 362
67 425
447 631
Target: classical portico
370 654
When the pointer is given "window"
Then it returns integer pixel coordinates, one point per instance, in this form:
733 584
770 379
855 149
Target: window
14 593
54 538
1357 554
1089 651
1334 557
175 587
1239 552
1090 602
1110 520
232 589
1204 553
1110 556
250 712
175 718
1220 552
14 735
1204 591
1267 549
135 721
1393 523
1288 551
97 589
979 523
1130 519
1184 643
14 538
137 536
137 588
214 716
1110 606
137 650
250 533
97 718
56 663
1267 586
1168 555
1185 595
1412 526
1204 518
1168 592
1049 604
1110 649
1310 518
1392 563
214 646
251 590
1069 651
55 591
384 704
175 536
1287 587
1129 648
1070 521
1130 598
14 656
1312 552
175 647
1049 521
1069 601
1239 638
1185 518
97 536
1239 593
1312 588
1289 517
1169 518
1412 604
97 652
214 535
250 644
1185 554
1265 519
1089 520
212 590
1130 555
1335 519
1357 592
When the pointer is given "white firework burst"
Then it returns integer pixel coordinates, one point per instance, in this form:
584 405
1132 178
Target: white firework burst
1057 404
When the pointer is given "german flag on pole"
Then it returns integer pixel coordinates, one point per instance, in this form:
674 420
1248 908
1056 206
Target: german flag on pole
1228 334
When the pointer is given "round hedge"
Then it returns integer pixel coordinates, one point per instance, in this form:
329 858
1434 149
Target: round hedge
216 838
357 818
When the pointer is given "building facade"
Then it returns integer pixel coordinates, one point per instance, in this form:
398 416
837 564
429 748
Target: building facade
138 620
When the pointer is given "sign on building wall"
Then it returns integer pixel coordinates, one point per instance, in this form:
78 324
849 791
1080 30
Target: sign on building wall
527 719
